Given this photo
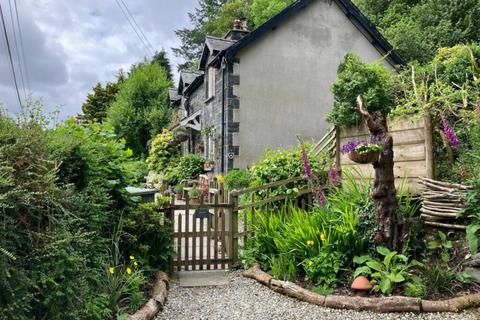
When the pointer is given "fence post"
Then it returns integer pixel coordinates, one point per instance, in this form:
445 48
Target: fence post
233 197
171 217
337 149
429 161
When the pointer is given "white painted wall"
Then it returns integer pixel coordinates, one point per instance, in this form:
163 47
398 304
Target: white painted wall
285 78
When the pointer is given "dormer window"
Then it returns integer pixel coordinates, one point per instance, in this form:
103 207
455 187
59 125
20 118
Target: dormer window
211 83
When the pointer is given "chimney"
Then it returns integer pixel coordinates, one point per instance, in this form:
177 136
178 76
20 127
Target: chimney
240 30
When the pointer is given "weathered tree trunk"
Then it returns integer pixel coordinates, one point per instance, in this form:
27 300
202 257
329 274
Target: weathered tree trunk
384 192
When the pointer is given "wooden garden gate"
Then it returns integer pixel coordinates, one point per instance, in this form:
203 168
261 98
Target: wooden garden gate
205 235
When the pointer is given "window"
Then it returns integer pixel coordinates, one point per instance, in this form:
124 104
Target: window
211 82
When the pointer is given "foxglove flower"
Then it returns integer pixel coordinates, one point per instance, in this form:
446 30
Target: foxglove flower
333 175
306 167
321 198
450 134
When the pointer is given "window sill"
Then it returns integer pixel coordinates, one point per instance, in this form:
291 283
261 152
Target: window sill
209 99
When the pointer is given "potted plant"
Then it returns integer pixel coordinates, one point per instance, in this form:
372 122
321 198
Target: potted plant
178 189
194 195
364 151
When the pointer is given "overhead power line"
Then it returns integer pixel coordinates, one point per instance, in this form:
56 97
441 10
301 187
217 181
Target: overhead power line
19 61
22 47
10 55
136 28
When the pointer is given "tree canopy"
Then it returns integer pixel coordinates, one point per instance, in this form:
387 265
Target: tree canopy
100 99
141 109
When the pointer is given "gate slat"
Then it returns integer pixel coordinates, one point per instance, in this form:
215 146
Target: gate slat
179 242
223 239
201 260
194 243
187 229
215 233
209 239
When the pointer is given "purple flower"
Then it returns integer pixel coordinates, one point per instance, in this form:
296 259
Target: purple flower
450 134
333 176
321 198
349 146
306 167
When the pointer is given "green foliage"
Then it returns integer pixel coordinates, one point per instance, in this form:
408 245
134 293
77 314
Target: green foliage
355 77
283 164
417 29
232 10
147 237
62 195
189 167
140 111
194 192
416 288
263 10
178 188
99 101
237 179
323 269
442 246
283 267
163 155
386 274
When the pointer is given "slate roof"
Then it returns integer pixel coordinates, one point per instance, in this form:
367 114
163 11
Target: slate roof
213 46
186 78
350 10
173 95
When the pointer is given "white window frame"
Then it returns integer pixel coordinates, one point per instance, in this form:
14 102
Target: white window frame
211 82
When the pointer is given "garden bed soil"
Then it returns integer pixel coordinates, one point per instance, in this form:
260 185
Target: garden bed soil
344 298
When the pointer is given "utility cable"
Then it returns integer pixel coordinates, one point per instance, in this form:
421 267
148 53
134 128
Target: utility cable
133 26
22 47
10 55
138 27
19 62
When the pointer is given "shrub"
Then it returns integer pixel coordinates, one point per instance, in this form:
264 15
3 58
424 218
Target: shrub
280 165
163 154
237 179
190 167
355 77
323 269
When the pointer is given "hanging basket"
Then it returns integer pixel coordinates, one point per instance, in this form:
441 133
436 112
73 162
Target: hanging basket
368 157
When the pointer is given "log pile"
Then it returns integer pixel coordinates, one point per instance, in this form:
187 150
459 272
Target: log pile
442 203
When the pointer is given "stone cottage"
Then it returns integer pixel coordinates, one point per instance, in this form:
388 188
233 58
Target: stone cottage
261 89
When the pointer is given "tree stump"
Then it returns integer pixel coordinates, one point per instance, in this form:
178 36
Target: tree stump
384 192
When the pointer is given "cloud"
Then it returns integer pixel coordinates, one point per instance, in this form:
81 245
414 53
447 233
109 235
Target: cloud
69 46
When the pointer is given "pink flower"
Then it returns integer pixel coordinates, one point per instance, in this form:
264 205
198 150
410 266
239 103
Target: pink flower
321 198
306 167
450 134
333 176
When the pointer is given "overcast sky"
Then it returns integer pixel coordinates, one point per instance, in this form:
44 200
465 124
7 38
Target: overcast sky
70 45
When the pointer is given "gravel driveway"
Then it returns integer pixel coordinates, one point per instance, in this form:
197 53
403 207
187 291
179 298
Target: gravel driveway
245 298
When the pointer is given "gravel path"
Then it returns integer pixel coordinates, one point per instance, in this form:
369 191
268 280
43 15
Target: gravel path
247 299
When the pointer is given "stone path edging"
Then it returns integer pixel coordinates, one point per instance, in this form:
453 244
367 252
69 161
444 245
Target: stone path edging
381 305
156 301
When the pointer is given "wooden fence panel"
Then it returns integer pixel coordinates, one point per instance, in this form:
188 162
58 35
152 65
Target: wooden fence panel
411 146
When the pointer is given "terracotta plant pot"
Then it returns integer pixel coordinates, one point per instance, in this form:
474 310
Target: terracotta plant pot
194 200
179 196
368 157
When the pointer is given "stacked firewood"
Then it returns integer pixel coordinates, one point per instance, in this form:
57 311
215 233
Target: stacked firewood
443 203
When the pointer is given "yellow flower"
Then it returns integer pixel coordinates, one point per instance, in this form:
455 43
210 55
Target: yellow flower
220 179
132 258
111 270
310 242
135 263
310 263
129 271
322 237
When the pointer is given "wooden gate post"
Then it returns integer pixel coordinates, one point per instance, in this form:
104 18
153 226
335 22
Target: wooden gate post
171 216
234 226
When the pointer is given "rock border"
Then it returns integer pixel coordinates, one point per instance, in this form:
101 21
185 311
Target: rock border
156 302
380 305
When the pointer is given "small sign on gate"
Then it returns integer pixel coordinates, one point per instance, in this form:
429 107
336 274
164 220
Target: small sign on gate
201 213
